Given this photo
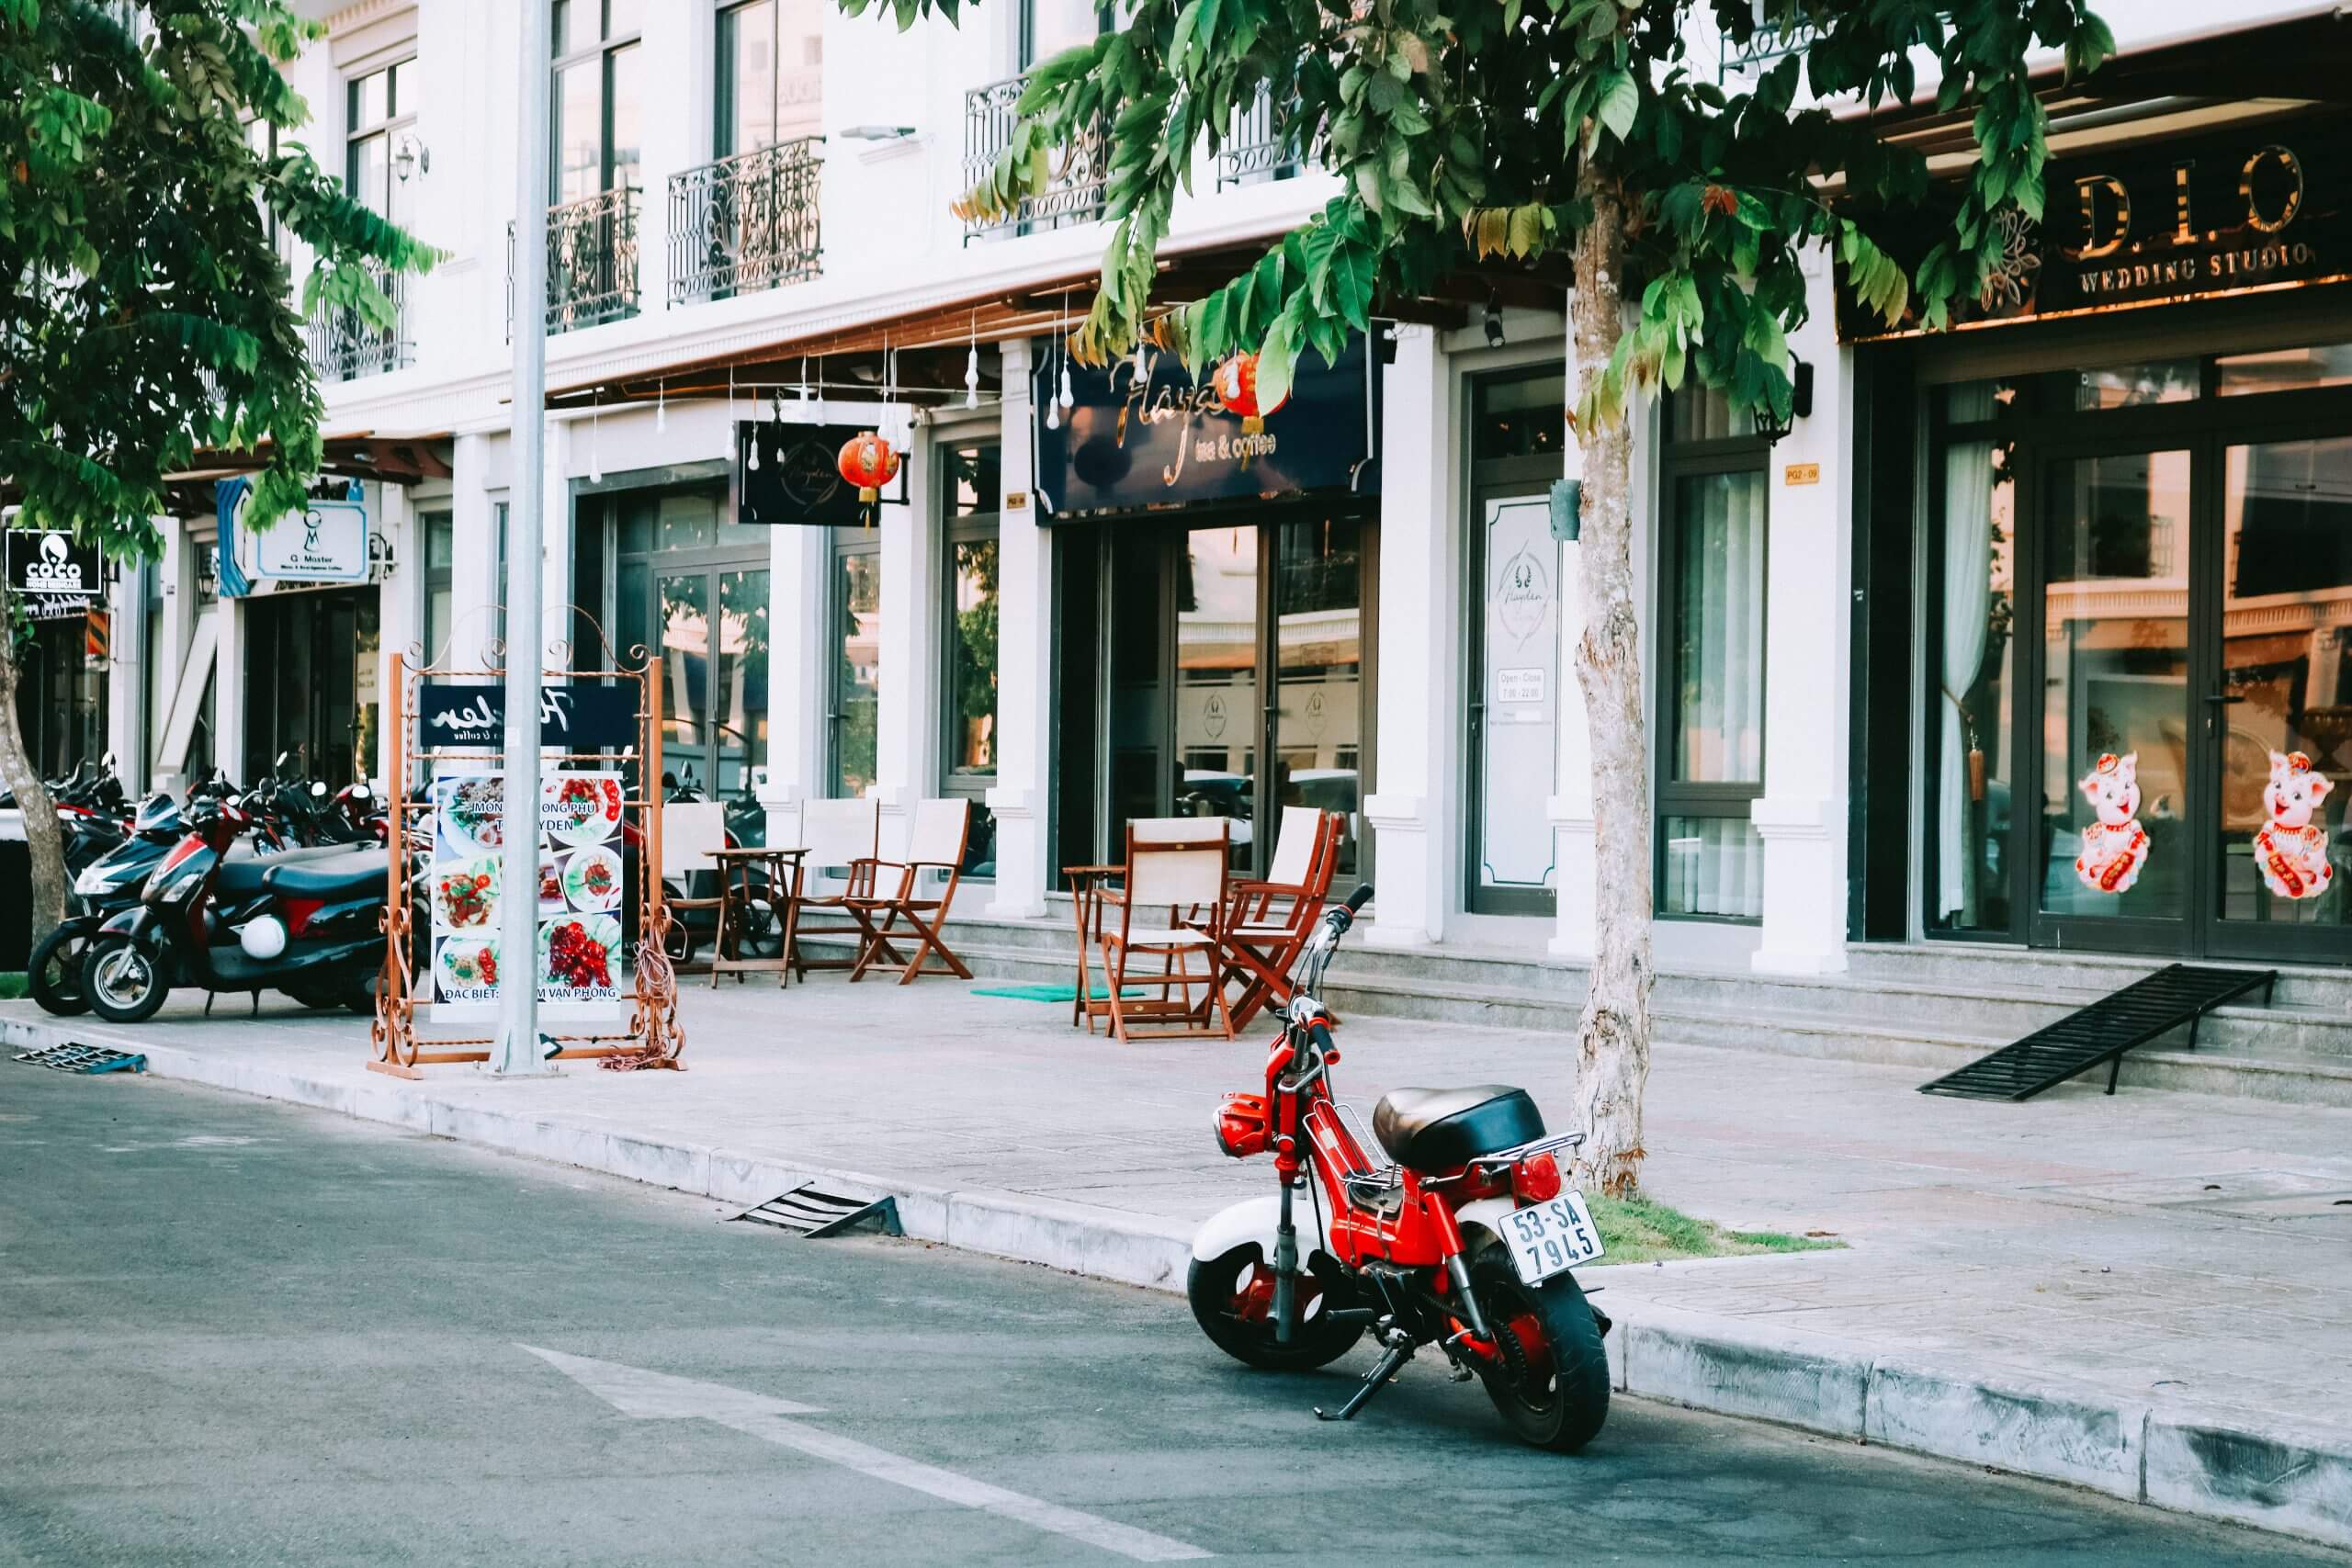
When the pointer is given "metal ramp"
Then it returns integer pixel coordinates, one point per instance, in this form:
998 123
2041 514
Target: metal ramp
813 1211
2139 1012
75 1057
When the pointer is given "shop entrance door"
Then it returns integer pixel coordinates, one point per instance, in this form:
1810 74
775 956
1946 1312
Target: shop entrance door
311 673
1235 678
2188 617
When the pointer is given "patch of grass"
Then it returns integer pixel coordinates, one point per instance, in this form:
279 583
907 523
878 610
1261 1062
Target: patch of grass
12 985
1643 1229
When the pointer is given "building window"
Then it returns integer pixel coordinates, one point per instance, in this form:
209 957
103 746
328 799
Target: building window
854 717
438 532
380 108
1711 650
969 486
1052 26
596 124
771 71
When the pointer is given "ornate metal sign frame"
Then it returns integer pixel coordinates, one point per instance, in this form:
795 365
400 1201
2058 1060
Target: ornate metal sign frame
653 1037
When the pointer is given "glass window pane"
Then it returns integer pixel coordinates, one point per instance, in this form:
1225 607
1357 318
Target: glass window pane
636 524
800 71
1972 403
440 541
1696 414
857 675
1218 718
1139 714
370 177
404 100
747 78
1318 673
1049 26
2123 386
579 130
974 482
627 135
561 31
2286 542
1718 653
688 522
370 99
2115 719
1522 417
2287 370
740 706
1969 777
972 656
632 593
1715 865
686 654
624 18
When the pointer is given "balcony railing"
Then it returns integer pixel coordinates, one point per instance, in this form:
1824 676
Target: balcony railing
592 261
746 223
345 345
1259 148
1765 48
1073 192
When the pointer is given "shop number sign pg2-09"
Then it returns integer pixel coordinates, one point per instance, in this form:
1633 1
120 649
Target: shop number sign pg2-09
578 957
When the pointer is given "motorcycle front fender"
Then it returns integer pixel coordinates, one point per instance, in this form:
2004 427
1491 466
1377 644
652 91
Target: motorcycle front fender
1256 1220
140 923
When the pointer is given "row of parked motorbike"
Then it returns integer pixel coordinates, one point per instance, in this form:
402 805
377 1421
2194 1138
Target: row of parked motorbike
279 887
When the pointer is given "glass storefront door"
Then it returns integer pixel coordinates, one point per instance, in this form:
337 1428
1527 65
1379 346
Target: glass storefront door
2139 636
311 694
1219 718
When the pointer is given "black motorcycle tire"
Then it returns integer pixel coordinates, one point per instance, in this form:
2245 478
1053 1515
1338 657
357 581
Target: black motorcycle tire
313 997
53 973
1561 1406
1212 1287
133 1006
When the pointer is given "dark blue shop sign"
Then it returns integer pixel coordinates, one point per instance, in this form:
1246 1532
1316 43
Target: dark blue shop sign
1150 437
574 715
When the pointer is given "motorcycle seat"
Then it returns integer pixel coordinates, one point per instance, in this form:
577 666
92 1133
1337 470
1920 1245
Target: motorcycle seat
349 873
1437 1130
244 868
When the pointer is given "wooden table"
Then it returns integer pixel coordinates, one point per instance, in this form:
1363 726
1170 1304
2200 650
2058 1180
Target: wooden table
1085 894
736 880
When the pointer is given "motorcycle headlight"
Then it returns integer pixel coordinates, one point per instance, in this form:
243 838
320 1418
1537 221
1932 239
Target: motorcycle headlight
91 882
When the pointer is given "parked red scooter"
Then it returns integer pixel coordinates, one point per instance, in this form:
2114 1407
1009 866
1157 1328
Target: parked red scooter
308 923
1461 1235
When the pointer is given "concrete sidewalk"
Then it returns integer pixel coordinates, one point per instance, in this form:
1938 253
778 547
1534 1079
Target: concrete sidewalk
2150 1295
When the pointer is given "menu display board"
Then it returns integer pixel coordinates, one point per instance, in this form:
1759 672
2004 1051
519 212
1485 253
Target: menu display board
578 959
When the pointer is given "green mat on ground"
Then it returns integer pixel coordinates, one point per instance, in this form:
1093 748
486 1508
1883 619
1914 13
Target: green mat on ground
1044 993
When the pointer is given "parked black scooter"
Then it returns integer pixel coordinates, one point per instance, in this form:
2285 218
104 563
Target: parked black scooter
309 925
105 887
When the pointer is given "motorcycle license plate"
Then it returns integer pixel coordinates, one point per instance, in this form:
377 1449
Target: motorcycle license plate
1546 1239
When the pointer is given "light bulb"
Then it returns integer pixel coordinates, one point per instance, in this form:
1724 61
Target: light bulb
972 377
662 410
1066 398
1053 415
752 461
1143 365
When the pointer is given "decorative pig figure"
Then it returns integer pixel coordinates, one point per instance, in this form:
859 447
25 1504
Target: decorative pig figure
2115 848
2290 848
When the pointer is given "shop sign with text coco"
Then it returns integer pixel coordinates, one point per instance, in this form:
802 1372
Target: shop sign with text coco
54 578
1139 433
2257 208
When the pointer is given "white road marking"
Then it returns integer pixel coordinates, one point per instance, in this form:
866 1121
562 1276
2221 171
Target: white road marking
658 1396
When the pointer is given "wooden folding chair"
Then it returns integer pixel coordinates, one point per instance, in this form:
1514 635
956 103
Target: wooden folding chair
842 839
935 844
1266 923
689 833
1177 864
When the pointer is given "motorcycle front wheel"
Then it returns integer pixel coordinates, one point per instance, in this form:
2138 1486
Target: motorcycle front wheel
1550 1386
1233 1301
53 974
125 983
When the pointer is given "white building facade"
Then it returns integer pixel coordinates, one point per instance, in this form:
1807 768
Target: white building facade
751 225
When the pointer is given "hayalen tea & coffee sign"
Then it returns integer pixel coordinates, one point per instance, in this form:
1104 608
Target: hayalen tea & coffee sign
1140 433
2260 208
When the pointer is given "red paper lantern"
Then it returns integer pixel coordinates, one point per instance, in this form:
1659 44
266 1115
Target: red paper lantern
1237 388
867 462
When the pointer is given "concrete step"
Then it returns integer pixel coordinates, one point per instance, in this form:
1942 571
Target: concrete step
1993 963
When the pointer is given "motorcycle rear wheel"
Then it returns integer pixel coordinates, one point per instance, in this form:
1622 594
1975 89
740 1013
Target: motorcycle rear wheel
1232 1299
125 983
53 973
1552 1389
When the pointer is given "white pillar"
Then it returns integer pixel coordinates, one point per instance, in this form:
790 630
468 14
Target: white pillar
679 41
905 753
1801 815
177 569
128 661
799 671
1408 807
229 694
475 590
1024 694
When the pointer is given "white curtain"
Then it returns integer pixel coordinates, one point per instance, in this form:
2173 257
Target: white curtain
1968 588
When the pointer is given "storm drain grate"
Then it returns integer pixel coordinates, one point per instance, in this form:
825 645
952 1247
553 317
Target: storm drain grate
813 1210
72 1058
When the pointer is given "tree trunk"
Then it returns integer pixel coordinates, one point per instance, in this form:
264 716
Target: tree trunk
1613 1052
44 835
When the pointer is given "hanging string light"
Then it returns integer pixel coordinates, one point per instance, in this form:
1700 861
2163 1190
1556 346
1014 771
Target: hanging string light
662 408
596 444
806 393
972 367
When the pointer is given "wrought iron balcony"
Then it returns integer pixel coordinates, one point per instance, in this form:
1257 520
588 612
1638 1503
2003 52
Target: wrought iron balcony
1765 48
592 261
1260 147
1073 193
746 223
345 345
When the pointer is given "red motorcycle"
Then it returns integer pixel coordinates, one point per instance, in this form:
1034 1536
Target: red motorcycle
1461 1233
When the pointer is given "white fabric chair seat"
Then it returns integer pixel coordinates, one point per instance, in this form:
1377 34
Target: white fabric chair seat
1165 936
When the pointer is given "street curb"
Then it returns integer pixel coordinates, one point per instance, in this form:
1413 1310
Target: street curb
2280 1476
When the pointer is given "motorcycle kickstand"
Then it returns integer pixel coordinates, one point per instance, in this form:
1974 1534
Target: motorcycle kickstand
1389 1366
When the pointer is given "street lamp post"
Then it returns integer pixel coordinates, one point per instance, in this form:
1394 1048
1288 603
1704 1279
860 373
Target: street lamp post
517 1047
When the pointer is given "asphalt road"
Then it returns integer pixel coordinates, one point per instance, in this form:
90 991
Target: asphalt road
236 1332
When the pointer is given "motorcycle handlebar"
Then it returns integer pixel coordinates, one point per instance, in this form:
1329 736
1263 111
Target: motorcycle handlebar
1359 898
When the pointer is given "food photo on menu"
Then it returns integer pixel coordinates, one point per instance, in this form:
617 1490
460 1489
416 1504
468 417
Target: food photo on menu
470 811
